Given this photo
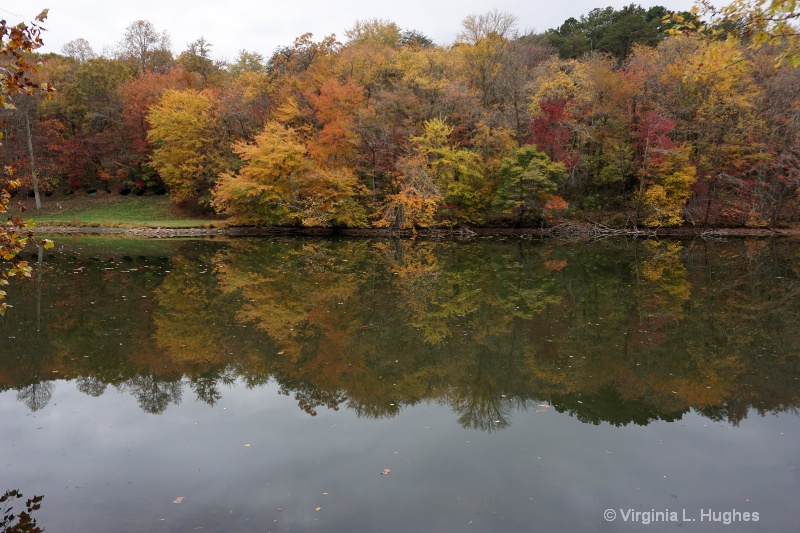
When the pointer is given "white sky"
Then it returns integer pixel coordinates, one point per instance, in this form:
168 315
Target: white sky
231 25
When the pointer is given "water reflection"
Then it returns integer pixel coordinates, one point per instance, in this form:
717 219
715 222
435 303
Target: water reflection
619 332
36 395
19 520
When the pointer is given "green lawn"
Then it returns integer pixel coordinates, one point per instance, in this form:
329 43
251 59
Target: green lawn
115 211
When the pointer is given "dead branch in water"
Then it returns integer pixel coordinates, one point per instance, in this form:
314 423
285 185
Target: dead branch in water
595 230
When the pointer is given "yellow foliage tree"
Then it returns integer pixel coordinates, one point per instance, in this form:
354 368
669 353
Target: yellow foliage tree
415 204
190 148
280 184
762 23
457 172
665 199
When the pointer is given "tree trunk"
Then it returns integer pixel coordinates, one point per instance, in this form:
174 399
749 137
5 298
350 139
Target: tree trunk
33 168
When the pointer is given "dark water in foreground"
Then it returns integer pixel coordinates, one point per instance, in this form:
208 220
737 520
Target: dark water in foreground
506 385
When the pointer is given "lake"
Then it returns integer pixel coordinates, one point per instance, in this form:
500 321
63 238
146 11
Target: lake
309 384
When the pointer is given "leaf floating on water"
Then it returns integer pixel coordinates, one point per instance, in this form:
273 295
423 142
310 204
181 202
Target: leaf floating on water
386 472
179 499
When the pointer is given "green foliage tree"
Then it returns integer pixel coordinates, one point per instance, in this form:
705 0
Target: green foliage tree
94 100
528 179
609 30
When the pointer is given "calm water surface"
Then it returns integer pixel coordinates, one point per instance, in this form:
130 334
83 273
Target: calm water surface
356 385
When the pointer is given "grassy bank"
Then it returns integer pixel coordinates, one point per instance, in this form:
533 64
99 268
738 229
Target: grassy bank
156 216
113 211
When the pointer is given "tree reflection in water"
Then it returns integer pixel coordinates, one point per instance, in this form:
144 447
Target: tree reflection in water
15 520
617 332
36 395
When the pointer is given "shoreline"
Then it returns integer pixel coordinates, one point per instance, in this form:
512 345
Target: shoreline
569 231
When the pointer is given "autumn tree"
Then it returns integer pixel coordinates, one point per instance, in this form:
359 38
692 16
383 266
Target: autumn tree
196 59
582 115
417 198
247 61
419 89
245 103
714 109
370 54
495 62
553 129
604 107
779 107
759 23
279 184
88 107
262 191
456 171
16 43
294 70
493 144
138 95
665 197
335 107
25 115
190 149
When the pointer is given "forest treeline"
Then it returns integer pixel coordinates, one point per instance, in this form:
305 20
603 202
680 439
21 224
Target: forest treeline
614 113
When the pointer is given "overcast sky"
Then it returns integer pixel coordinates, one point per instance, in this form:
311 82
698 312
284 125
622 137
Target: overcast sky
232 25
